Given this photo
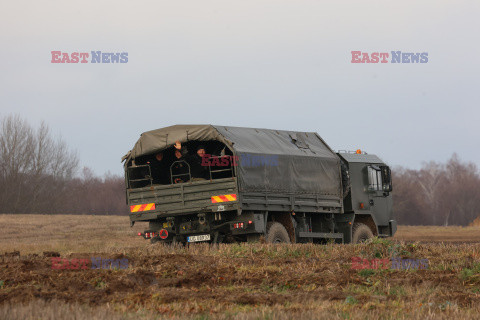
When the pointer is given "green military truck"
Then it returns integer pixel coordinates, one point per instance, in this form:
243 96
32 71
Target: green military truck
284 186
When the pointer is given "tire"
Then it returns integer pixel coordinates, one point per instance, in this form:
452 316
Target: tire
276 233
361 232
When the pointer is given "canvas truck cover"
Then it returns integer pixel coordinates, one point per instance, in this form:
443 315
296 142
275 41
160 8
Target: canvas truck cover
297 162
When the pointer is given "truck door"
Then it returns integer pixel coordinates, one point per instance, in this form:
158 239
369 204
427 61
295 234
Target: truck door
379 187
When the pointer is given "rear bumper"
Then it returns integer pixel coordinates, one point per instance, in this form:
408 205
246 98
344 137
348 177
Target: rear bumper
218 227
211 209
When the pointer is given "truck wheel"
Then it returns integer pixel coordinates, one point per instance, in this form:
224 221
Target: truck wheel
276 233
361 232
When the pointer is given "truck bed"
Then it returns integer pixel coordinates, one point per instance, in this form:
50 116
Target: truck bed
182 198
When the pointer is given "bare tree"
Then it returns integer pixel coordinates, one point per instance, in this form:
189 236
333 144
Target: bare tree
461 193
16 146
34 167
408 202
430 177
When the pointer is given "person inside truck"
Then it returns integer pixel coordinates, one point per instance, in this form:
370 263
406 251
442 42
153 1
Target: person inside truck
180 167
198 171
159 169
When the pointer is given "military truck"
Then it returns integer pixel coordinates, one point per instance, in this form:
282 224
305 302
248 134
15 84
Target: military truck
275 185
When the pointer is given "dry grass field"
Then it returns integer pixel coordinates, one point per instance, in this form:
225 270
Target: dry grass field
238 281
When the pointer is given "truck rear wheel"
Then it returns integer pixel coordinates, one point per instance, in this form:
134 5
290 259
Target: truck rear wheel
361 232
276 233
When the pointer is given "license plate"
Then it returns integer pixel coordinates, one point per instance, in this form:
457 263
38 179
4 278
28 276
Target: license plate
202 237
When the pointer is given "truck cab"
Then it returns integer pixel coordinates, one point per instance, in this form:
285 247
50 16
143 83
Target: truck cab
370 194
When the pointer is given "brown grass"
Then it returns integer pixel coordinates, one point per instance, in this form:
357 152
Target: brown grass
68 233
451 234
245 281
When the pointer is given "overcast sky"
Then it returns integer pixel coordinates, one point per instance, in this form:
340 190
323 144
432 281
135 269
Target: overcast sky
281 64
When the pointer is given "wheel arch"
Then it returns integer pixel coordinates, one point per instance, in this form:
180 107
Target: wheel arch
284 218
368 220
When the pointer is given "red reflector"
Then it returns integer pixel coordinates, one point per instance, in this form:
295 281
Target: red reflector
163 234
139 233
250 221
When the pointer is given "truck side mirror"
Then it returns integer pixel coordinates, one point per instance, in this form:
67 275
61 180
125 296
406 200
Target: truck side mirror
386 178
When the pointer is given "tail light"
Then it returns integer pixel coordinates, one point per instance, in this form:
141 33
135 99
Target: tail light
148 235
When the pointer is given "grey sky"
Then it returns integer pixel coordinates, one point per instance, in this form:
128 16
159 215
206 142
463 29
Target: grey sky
272 64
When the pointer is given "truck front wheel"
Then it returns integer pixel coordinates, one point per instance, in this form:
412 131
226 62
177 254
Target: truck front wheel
276 233
361 232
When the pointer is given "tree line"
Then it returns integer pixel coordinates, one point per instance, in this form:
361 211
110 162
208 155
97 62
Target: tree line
40 174
437 194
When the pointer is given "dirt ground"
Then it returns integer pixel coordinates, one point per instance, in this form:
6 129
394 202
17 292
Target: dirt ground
47 271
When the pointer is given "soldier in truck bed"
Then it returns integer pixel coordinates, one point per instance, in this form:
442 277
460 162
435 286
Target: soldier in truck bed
180 168
161 165
198 171
160 169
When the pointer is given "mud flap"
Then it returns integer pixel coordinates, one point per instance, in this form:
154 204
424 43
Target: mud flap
392 224
260 224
